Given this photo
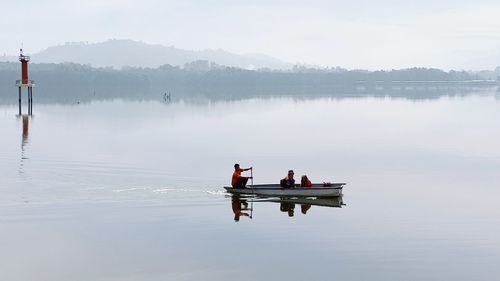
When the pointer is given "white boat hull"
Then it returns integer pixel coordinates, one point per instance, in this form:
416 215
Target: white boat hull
318 190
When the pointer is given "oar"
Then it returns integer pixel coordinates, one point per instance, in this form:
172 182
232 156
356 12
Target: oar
251 177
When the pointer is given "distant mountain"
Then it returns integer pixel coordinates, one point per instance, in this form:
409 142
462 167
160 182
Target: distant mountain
120 53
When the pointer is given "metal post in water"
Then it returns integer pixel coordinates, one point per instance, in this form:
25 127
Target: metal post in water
31 100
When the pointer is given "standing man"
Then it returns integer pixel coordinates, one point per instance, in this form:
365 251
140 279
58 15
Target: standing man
238 181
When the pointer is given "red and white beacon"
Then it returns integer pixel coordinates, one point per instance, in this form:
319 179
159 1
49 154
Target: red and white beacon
25 82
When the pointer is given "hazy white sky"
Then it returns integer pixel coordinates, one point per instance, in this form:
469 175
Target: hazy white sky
380 34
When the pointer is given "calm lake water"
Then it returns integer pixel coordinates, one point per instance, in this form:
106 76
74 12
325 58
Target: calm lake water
131 190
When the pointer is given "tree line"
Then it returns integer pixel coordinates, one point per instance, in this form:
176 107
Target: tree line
69 81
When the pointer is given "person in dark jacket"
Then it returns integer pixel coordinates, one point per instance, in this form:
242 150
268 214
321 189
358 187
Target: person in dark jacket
288 181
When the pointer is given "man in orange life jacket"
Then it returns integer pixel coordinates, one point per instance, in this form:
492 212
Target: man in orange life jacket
238 181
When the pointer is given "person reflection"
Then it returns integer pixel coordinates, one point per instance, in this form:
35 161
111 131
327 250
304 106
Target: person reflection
304 208
287 207
237 204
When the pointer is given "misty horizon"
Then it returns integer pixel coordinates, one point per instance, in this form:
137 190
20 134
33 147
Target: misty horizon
201 54
355 35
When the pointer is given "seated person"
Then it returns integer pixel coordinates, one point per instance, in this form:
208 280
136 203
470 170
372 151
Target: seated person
238 181
288 181
305 182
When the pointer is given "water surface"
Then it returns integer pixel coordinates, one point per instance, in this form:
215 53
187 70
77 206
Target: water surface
132 190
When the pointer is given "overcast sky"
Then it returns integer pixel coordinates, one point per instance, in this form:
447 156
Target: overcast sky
380 34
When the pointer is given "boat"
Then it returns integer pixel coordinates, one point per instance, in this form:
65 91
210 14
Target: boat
317 190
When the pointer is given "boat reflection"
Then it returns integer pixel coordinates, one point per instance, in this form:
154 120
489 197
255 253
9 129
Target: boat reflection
287 205
240 204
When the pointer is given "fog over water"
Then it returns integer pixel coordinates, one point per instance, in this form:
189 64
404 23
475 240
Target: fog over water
132 190
359 34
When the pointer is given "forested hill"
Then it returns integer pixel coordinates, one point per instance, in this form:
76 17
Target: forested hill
122 53
64 82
